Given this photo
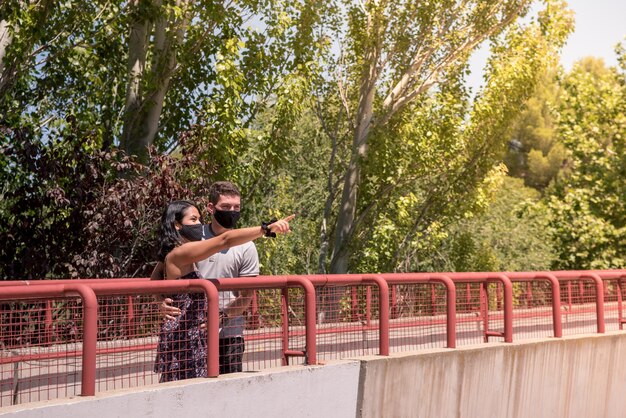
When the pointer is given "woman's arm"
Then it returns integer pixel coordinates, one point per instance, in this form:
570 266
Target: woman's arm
165 304
157 272
192 252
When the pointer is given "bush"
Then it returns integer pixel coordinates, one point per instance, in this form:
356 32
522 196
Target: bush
69 209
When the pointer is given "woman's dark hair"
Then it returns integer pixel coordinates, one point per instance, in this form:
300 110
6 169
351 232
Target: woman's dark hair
169 238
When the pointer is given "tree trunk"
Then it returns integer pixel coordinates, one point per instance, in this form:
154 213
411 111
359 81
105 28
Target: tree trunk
6 37
143 108
163 67
347 208
132 140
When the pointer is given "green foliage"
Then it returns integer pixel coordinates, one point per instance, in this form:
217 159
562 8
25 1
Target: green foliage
230 59
297 188
587 203
534 154
67 71
437 161
45 188
264 99
67 210
241 79
512 235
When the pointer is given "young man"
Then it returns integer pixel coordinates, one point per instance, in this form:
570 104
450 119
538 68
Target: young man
239 261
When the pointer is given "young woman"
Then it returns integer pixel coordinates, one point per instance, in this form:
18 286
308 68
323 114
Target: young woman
181 352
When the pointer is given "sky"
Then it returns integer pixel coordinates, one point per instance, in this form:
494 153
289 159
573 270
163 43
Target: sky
599 26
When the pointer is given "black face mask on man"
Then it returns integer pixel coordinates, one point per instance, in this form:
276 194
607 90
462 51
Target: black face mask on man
192 232
227 218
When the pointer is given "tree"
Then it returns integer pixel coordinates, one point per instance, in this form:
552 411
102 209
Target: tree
534 153
138 73
512 235
587 202
65 211
79 75
414 161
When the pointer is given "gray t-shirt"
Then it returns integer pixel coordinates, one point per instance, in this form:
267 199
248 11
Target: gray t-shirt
239 261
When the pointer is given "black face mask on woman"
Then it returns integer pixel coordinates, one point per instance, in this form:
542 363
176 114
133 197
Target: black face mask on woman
192 232
227 218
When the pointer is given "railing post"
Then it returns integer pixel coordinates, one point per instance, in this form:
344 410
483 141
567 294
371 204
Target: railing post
90 337
450 308
484 310
599 285
508 308
383 317
620 315
284 313
556 304
309 318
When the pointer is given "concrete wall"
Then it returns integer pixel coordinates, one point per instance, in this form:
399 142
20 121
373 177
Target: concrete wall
583 376
295 391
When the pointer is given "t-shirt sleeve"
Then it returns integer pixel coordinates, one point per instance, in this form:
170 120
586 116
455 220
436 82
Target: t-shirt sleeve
249 262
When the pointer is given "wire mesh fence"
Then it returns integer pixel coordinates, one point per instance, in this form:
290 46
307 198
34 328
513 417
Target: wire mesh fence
418 312
347 321
274 329
128 330
614 291
532 309
41 339
41 342
578 306
473 315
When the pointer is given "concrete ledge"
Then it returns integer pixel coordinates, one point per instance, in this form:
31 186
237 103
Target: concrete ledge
293 391
580 376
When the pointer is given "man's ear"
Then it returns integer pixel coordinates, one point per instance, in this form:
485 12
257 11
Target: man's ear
211 208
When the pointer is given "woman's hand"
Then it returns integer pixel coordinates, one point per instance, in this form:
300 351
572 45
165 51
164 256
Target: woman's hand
168 311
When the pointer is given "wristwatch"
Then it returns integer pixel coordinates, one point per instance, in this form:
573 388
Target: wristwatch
265 226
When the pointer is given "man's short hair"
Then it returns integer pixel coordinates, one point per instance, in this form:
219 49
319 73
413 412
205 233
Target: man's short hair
222 188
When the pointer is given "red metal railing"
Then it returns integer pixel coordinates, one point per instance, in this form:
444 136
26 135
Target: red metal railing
503 292
112 327
582 290
534 304
283 283
90 306
431 280
363 313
